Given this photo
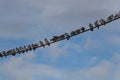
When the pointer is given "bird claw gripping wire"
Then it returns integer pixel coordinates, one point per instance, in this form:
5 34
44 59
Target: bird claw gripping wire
67 36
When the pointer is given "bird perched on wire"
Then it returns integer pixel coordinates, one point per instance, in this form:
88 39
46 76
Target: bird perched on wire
82 29
91 27
67 36
96 24
42 44
110 18
102 21
47 42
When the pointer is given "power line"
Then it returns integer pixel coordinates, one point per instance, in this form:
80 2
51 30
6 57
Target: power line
48 42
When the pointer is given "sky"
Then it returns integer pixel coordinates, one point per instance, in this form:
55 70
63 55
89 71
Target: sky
89 56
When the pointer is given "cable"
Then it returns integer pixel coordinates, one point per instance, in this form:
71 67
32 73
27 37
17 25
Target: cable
54 39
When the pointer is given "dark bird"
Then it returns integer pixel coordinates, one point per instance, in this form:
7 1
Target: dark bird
110 18
62 36
1 55
91 27
42 44
29 47
77 31
117 15
4 53
12 52
67 36
73 33
25 48
82 29
102 21
18 50
96 24
21 49
33 46
47 42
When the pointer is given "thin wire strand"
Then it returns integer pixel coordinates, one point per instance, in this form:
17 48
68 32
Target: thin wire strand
67 36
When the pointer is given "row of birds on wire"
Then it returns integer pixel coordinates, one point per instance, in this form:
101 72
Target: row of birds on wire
54 39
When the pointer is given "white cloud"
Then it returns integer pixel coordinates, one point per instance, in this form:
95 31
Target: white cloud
58 50
28 19
22 68
92 44
93 60
116 58
114 40
54 51
38 19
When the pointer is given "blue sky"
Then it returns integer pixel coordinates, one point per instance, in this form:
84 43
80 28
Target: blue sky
90 56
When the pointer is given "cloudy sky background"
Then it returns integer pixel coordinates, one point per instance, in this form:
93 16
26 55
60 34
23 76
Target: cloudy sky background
90 56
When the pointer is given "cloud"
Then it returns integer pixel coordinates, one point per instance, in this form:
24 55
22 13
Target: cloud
116 58
23 68
92 44
29 19
58 50
43 18
114 40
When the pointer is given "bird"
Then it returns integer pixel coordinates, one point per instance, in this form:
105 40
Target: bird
47 42
17 50
42 44
73 33
102 21
117 15
96 24
67 36
29 47
4 53
21 49
26 49
8 52
77 31
1 55
33 46
110 18
82 29
12 52
62 36
91 27
55 38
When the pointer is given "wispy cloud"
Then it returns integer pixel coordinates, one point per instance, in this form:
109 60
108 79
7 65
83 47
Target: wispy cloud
38 19
21 68
20 19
